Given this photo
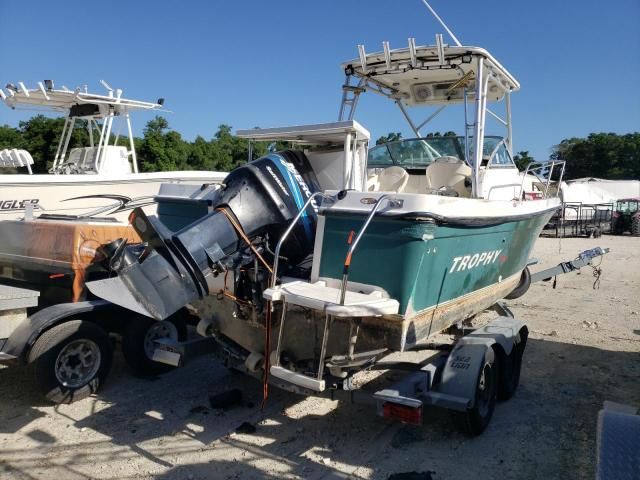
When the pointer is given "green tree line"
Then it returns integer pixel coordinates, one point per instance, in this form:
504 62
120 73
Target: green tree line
159 149
603 155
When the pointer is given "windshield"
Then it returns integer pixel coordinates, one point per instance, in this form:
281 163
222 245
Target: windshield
420 152
628 205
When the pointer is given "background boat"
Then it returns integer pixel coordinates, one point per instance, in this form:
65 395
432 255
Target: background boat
97 180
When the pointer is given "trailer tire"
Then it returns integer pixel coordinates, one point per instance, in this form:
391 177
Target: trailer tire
617 228
510 368
523 285
138 338
71 360
476 419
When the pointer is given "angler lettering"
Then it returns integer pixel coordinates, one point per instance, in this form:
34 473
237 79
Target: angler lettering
11 205
467 262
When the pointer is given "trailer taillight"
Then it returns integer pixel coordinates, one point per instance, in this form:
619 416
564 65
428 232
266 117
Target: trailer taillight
402 413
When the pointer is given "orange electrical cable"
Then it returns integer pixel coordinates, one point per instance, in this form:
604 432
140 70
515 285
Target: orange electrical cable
267 330
225 292
244 237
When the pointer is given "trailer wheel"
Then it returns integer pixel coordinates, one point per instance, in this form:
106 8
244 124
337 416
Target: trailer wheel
138 342
618 229
475 420
523 285
71 360
510 368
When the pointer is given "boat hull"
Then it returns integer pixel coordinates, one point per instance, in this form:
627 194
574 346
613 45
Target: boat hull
90 195
440 273
56 257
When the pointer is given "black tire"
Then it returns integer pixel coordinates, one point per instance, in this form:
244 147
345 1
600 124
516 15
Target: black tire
617 227
71 360
475 420
141 330
510 368
635 226
523 285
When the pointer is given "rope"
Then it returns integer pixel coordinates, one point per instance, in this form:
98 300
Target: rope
597 273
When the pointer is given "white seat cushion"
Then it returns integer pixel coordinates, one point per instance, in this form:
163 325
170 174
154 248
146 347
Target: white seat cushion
393 179
327 299
448 173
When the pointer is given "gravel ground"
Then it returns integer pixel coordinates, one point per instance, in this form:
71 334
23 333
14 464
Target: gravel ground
583 349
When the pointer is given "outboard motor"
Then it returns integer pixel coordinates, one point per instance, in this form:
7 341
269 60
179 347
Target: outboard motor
256 203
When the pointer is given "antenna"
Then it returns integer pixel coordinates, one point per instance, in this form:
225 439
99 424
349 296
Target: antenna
444 25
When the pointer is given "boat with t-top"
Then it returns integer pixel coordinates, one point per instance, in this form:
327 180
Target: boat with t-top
318 263
97 180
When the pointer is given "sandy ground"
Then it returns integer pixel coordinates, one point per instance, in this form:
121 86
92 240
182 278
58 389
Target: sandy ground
584 348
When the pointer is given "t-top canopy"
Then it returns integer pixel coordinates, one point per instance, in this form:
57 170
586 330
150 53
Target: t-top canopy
430 75
318 134
76 103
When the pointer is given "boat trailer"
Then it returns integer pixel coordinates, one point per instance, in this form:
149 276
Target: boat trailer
448 378
582 260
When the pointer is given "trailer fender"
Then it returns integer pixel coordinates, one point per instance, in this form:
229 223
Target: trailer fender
23 337
504 331
493 342
456 389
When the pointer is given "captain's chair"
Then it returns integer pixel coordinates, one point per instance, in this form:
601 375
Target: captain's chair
448 176
393 179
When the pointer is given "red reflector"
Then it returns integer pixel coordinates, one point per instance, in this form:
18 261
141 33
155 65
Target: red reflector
402 413
56 275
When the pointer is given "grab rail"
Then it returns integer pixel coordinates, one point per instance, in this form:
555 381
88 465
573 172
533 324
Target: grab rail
537 170
284 236
347 262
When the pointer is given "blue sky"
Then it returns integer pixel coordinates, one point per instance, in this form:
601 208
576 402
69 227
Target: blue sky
255 63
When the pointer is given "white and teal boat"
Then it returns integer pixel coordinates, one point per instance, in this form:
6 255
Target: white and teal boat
445 224
311 266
